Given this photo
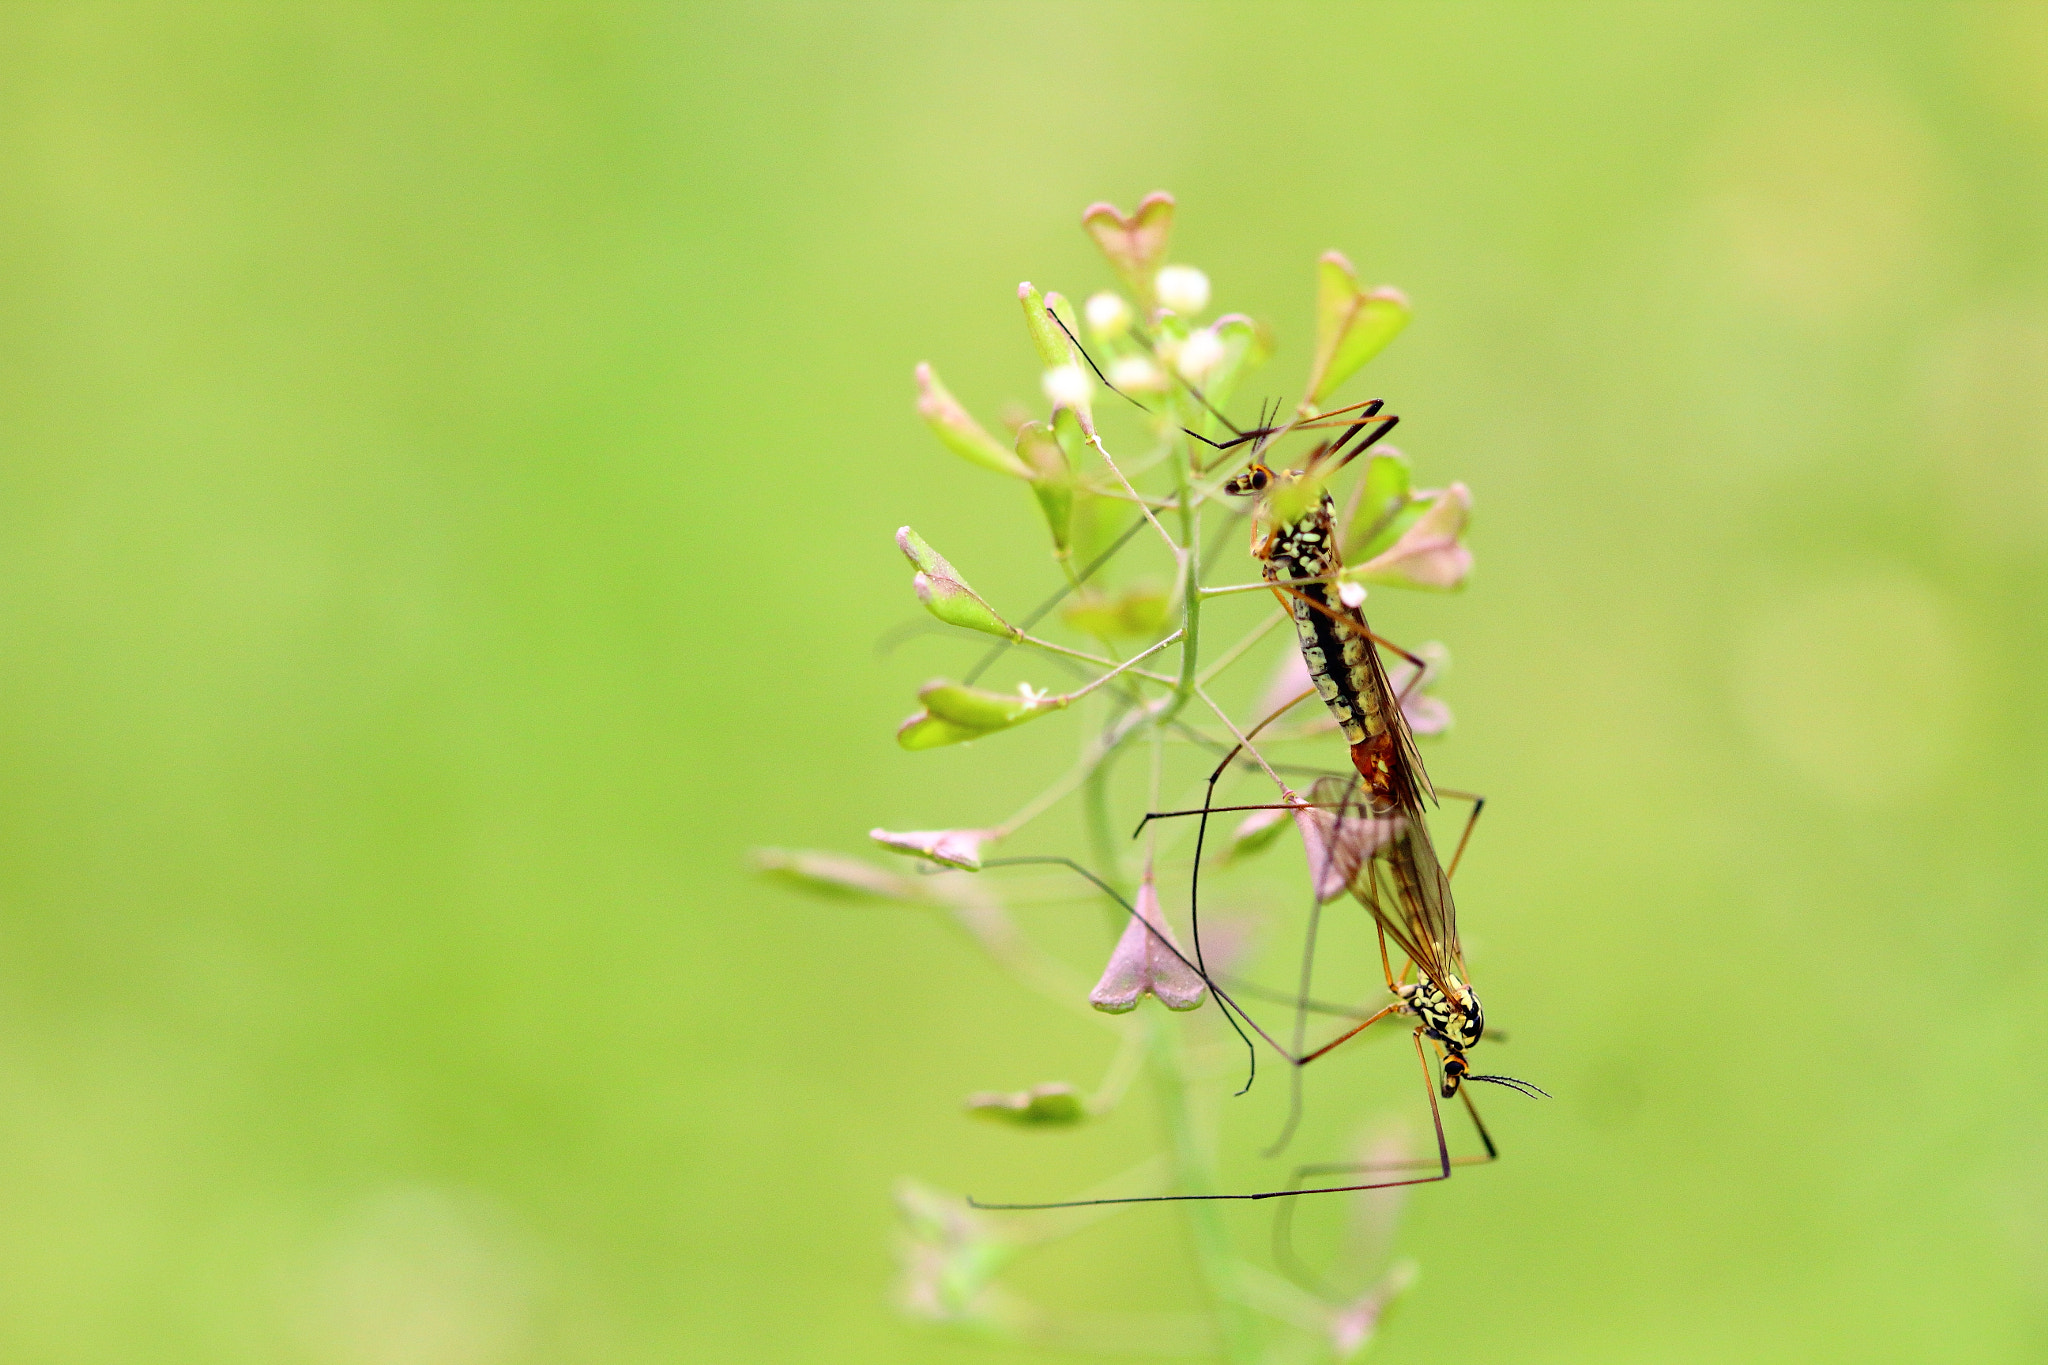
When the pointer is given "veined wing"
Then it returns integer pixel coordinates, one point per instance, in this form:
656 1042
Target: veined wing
1342 833
1405 888
1407 757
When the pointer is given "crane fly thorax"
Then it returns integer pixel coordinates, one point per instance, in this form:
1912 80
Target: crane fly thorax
1456 1026
1300 552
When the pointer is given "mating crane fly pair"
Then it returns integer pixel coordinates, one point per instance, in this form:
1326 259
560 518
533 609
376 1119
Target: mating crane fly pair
1367 833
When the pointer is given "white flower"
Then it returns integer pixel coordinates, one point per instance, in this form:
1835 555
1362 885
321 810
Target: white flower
1136 374
1066 386
1199 354
1183 289
1108 315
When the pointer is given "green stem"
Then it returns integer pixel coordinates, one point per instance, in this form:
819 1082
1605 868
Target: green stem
1192 1166
1194 1173
1190 554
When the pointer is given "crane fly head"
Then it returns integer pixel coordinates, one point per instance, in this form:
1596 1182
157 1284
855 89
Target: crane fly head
1253 481
1455 1025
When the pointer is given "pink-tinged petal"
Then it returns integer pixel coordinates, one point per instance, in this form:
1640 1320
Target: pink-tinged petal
1352 1325
1135 245
959 848
1146 961
1338 845
1287 684
1256 832
1429 554
1427 715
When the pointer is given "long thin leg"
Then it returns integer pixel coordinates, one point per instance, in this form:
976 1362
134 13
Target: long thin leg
1351 1033
1284 1254
1478 805
1444 1164
1202 828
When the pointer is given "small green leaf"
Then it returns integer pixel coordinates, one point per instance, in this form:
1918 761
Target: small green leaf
1054 349
1352 325
943 592
1139 611
829 874
1431 553
1135 245
923 730
981 709
1052 479
1247 344
962 434
1053 1105
1381 504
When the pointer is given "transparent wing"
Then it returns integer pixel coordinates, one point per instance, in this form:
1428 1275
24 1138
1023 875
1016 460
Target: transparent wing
1404 886
1347 835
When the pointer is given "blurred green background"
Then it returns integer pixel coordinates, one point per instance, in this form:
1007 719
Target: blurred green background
450 456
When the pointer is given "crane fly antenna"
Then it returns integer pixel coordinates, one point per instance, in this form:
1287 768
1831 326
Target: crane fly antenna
1240 436
1519 1087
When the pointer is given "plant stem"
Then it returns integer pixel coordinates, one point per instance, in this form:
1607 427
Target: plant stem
1194 1173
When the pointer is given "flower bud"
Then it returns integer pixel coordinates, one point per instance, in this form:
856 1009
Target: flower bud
1066 386
1109 316
1183 289
1053 346
1137 374
962 434
944 593
1052 480
954 714
1199 354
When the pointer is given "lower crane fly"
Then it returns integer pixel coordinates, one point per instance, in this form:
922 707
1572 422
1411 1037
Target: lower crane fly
1373 830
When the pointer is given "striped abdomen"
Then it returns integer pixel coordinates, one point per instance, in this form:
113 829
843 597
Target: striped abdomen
1334 643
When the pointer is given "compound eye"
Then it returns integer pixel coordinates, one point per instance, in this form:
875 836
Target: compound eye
1258 480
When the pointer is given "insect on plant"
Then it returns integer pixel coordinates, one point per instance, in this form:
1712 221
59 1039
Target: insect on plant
1143 632
1367 833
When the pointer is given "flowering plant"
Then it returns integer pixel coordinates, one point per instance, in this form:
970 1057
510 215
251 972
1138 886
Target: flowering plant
1143 681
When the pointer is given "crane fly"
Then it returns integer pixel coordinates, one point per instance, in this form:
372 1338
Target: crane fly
1377 845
